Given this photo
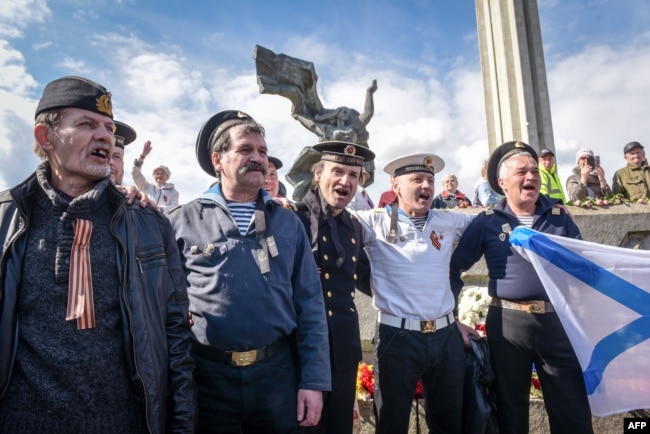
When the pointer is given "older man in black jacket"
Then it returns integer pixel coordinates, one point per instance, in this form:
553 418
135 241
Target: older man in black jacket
94 326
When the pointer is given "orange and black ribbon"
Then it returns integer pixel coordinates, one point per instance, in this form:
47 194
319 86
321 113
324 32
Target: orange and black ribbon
81 305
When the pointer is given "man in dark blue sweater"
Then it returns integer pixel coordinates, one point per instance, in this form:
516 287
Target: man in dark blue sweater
522 326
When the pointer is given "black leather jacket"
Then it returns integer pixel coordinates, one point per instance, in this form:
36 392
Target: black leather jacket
154 304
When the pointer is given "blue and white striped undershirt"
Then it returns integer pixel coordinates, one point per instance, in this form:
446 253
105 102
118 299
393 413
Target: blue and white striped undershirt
243 213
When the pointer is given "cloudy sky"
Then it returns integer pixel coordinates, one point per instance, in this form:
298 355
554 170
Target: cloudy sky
171 64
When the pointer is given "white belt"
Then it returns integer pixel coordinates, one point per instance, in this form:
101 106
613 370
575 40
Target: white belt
428 326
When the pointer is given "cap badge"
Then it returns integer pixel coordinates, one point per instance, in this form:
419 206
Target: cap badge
428 162
519 145
349 149
104 104
242 115
506 228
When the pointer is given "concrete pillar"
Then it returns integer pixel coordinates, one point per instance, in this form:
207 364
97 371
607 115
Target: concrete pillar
514 73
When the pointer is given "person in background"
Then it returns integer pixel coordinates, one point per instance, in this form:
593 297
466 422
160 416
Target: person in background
124 135
337 245
522 326
484 196
633 180
551 183
450 197
94 323
587 179
418 336
361 200
387 197
160 192
260 333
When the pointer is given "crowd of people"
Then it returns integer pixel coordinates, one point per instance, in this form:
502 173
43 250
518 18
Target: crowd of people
123 311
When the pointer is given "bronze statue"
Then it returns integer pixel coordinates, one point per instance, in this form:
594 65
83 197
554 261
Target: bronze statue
295 79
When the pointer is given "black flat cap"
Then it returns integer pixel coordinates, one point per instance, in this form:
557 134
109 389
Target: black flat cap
213 127
349 154
631 146
76 92
501 154
124 134
276 162
546 151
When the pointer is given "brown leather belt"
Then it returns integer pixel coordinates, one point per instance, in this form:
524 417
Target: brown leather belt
238 358
530 306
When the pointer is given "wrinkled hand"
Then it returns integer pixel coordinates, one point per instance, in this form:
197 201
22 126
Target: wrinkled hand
147 148
132 192
601 173
310 405
465 331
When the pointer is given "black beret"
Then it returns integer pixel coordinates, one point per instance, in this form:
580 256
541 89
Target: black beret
502 153
124 134
76 92
216 126
631 146
276 162
346 153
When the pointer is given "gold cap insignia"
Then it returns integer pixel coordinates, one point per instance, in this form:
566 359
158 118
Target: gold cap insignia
428 162
104 104
350 150
519 144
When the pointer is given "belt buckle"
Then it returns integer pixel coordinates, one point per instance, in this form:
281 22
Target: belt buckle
536 306
428 326
243 358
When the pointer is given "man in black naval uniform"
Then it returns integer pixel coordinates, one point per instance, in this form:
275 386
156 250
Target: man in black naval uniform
337 244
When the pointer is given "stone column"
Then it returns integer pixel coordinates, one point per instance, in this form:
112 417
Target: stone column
514 74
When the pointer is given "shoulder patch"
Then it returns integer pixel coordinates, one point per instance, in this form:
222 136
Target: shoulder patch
489 211
353 217
293 207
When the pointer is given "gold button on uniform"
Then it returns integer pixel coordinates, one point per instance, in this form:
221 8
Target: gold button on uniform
355 276
327 276
354 259
330 313
352 294
324 238
353 241
329 294
326 257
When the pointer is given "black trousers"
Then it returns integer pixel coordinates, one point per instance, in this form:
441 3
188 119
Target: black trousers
402 357
260 398
519 339
338 404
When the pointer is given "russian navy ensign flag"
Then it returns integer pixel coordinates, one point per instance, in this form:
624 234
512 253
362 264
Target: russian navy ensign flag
602 296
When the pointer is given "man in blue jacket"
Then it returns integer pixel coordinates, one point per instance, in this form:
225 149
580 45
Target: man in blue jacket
522 326
259 334
94 324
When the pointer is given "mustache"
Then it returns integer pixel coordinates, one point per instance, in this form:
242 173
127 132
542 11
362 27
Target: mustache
248 167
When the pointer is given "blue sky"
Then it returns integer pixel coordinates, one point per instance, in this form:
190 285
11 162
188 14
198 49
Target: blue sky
171 64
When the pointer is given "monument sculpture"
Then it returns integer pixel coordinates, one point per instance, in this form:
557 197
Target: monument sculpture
295 79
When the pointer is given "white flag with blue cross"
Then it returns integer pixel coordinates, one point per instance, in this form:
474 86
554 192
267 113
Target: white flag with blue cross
602 297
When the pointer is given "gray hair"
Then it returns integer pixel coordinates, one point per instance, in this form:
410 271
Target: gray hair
502 165
51 119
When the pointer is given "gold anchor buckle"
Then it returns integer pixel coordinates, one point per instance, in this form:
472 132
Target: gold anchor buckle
428 326
243 358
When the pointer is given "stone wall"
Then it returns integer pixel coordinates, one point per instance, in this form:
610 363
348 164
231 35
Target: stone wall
625 225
